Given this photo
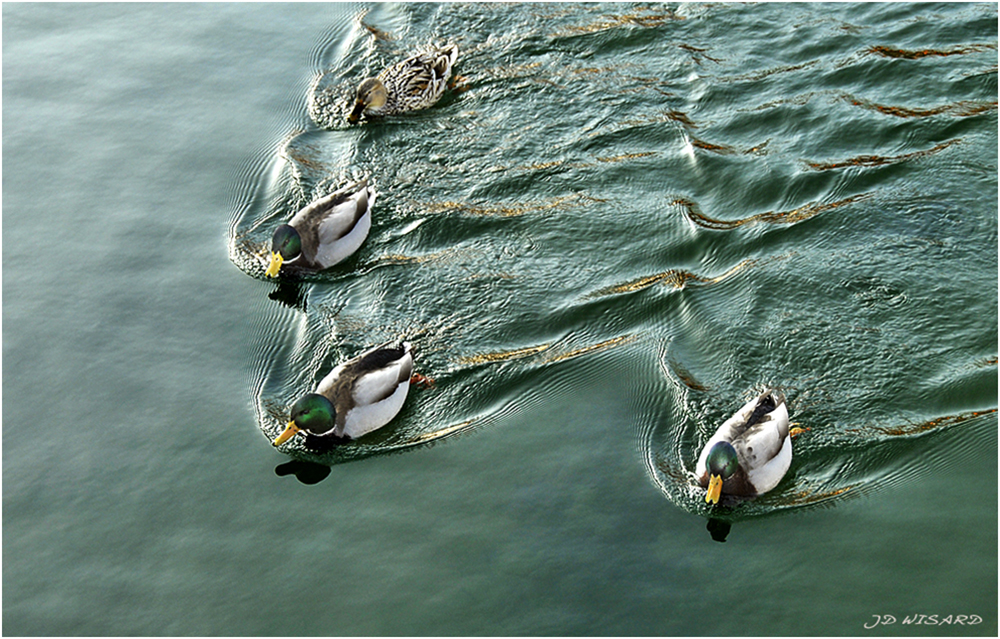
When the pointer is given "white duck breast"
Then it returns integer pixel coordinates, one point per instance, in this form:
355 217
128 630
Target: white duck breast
771 473
364 419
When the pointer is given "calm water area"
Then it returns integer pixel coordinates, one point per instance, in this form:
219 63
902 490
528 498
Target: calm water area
623 221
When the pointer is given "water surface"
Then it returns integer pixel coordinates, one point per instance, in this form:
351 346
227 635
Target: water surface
623 221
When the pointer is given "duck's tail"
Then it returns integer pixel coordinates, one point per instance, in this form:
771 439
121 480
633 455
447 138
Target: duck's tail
444 59
767 402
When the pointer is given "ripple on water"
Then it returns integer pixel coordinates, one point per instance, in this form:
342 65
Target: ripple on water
609 184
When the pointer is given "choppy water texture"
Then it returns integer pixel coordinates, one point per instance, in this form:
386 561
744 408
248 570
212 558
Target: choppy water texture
780 206
622 222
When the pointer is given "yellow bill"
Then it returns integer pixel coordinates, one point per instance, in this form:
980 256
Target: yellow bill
286 434
275 265
714 489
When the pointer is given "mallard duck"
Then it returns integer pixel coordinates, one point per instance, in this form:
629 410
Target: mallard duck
326 231
358 396
750 452
415 83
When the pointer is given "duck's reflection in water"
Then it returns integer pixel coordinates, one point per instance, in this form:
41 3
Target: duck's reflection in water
290 293
718 529
305 471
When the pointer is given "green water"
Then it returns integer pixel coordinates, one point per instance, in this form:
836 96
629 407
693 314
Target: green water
622 221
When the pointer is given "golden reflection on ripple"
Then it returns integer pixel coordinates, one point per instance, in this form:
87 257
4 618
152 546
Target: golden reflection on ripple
676 278
804 212
684 376
907 54
724 149
617 341
756 76
807 497
438 434
634 19
963 108
541 166
512 210
698 53
398 258
878 160
512 71
913 429
377 33
626 156
503 356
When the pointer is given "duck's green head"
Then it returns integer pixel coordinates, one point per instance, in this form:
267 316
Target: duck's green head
371 95
311 413
286 245
722 464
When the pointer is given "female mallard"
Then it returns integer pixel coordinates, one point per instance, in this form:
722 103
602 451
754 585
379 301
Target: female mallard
750 452
415 83
325 232
357 397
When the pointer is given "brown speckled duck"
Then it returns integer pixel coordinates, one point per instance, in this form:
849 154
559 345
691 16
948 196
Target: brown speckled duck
415 83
